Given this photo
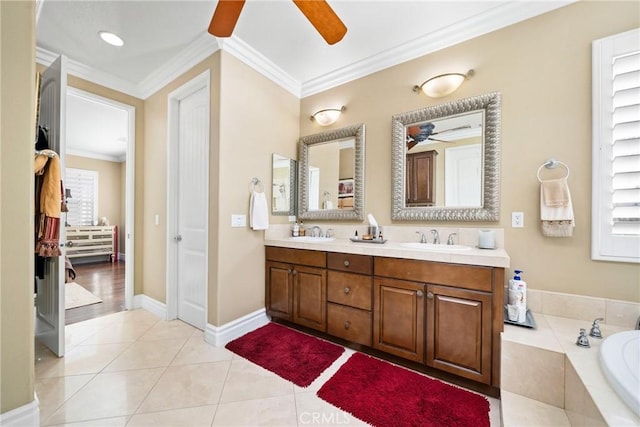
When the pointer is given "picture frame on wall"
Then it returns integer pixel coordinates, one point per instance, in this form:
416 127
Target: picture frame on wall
345 188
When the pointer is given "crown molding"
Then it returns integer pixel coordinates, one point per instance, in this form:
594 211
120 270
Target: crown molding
46 58
205 45
197 51
118 158
254 59
492 20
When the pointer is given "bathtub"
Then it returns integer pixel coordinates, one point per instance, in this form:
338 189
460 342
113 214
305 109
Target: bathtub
620 362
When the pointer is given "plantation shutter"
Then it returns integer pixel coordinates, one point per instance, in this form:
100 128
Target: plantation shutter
626 145
83 204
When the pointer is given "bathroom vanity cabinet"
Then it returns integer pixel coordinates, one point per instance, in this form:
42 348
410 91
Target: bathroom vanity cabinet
446 316
296 286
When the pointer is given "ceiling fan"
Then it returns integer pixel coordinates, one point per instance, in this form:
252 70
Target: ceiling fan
318 12
425 131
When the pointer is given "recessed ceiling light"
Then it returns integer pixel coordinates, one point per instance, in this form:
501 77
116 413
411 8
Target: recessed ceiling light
111 38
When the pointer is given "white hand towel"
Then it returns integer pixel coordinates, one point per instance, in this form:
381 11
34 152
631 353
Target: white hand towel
258 211
557 221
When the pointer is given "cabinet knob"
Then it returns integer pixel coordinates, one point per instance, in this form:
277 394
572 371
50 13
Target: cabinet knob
346 263
430 295
347 290
289 271
294 272
347 324
419 293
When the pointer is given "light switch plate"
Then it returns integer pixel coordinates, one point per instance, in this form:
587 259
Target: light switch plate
238 220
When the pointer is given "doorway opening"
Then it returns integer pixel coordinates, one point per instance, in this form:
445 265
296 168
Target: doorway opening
99 226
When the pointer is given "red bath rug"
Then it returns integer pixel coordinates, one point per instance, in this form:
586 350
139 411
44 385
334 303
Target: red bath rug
382 394
294 356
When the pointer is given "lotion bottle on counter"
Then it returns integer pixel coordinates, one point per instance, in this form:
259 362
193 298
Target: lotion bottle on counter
518 295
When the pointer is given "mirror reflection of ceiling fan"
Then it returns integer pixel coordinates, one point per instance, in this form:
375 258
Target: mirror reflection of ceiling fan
425 131
318 12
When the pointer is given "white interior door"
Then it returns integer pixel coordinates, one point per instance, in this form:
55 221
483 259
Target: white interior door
190 153
463 176
50 290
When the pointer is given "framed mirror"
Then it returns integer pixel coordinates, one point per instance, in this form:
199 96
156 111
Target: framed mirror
331 175
283 186
446 161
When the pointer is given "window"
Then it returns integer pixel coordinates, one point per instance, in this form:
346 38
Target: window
83 203
616 148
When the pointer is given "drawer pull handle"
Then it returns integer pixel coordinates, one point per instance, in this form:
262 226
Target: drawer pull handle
430 295
347 324
419 293
346 263
347 290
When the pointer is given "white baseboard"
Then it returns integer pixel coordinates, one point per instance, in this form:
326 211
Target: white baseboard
156 307
219 336
25 415
121 257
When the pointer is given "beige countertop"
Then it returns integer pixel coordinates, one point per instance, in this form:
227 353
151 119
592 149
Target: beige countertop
485 257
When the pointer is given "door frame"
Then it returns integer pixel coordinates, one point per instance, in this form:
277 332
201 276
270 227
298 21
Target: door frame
130 174
201 81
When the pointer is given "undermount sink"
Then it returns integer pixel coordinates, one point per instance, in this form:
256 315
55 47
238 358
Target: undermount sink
434 247
311 239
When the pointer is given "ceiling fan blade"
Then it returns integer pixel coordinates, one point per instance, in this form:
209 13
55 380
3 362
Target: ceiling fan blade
452 129
439 140
225 17
323 18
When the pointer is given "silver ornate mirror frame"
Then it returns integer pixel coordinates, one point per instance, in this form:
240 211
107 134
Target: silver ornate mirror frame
490 209
357 213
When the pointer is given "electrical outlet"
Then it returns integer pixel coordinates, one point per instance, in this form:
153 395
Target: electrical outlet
517 219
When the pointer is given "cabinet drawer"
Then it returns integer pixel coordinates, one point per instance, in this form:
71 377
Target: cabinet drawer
349 323
349 289
456 275
350 262
297 256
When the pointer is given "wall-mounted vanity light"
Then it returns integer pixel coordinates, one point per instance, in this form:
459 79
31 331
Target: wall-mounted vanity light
443 84
327 116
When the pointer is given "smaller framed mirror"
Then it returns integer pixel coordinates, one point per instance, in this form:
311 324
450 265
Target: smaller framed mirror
283 186
331 175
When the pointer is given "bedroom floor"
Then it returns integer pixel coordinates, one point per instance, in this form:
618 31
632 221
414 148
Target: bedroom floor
133 369
106 281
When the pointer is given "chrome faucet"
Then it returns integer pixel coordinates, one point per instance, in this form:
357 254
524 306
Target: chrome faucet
436 236
595 328
583 341
450 239
313 231
329 232
423 239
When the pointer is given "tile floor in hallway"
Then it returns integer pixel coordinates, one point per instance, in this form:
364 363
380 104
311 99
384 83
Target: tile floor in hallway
133 369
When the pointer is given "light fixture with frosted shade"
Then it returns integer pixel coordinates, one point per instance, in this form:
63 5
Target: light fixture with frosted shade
111 38
327 116
443 84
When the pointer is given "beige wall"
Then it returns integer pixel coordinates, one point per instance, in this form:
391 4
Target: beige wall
245 103
110 188
542 67
17 124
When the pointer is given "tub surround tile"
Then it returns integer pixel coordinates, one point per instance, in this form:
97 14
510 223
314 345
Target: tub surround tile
573 306
622 313
534 300
521 411
521 363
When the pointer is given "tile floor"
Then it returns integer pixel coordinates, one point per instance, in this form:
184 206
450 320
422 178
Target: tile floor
133 369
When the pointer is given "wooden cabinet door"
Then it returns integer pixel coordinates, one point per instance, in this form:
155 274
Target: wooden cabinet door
459 332
420 179
398 318
279 292
310 297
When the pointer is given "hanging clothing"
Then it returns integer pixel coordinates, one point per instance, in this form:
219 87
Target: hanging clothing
49 198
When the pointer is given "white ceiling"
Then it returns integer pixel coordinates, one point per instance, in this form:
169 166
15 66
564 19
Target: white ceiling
164 37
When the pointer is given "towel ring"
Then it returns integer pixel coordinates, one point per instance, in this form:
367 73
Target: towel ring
552 164
256 185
